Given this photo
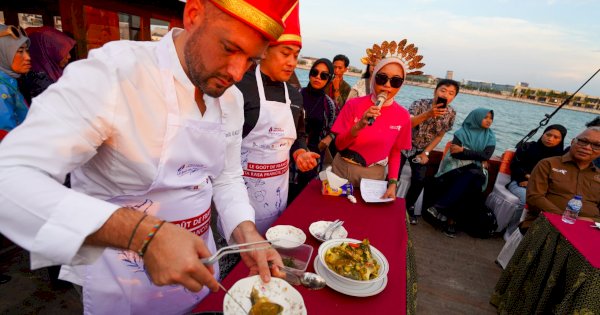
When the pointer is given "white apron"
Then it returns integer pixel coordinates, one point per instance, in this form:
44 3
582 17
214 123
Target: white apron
181 193
265 157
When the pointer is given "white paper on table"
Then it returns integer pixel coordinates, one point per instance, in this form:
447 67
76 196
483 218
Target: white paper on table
371 190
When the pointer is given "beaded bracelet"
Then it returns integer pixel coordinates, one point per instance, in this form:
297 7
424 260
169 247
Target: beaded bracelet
149 238
392 181
135 230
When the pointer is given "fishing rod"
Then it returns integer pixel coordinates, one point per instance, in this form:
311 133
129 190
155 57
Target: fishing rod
547 117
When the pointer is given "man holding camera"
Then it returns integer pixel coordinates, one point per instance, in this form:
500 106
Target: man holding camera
430 123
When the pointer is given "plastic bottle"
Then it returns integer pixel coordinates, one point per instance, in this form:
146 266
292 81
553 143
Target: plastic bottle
572 210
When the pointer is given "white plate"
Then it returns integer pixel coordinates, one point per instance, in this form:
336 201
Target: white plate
320 226
384 266
288 236
360 290
277 290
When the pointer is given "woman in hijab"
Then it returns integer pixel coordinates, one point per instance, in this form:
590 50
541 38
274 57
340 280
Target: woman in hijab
50 54
462 177
320 113
364 149
14 61
551 143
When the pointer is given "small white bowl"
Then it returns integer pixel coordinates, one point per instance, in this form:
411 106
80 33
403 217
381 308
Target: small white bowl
320 226
377 255
287 236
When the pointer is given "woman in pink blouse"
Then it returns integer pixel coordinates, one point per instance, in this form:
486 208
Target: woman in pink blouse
365 150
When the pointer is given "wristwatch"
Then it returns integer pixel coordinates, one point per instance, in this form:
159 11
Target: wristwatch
426 153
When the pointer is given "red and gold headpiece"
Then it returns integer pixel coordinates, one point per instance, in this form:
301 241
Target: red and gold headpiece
291 34
267 17
406 53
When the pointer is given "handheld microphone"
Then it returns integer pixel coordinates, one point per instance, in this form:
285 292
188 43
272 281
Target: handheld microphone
381 97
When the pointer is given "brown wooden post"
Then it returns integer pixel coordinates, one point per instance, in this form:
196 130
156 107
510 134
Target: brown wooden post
73 23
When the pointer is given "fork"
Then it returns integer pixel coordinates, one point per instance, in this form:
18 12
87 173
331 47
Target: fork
234 249
338 225
329 227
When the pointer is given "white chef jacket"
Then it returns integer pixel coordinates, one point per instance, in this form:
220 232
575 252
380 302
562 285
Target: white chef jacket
104 121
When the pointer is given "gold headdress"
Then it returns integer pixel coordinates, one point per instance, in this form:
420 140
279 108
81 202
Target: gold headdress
406 53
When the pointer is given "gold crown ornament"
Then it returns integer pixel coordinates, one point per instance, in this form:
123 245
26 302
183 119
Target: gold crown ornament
406 53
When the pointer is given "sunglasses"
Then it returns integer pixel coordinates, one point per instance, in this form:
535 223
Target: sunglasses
382 79
14 31
585 143
322 75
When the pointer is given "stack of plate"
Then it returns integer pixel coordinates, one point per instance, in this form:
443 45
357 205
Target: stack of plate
346 285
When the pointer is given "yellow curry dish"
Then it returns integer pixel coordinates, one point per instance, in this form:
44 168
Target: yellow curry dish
353 260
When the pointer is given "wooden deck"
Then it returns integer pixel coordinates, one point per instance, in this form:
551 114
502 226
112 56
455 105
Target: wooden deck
456 276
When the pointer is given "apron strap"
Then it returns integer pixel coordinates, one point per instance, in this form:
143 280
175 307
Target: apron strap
261 88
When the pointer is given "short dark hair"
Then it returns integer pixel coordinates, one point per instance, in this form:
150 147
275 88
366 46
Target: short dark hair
448 82
595 122
342 58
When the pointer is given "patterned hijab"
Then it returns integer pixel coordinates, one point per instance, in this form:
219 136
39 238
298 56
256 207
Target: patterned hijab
8 48
49 47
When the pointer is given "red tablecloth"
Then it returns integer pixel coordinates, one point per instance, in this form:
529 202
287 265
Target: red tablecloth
581 235
383 224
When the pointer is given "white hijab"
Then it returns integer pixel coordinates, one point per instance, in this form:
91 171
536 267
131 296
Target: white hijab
382 63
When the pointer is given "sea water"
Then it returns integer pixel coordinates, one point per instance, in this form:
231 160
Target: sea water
512 120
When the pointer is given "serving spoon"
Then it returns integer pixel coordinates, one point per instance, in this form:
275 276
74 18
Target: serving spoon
310 280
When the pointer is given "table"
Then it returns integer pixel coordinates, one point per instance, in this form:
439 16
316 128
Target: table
386 227
555 269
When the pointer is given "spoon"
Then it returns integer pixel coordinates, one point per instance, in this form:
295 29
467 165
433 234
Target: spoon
312 281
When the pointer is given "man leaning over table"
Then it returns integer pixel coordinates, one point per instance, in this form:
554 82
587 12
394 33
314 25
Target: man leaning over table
554 181
141 130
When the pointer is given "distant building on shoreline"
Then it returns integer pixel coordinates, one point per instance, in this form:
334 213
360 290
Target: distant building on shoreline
552 97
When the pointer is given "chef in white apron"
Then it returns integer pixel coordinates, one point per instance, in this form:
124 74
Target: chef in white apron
273 124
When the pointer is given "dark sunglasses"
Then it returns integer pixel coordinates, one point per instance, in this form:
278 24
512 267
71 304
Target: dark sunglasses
585 143
322 75
14 31
382 79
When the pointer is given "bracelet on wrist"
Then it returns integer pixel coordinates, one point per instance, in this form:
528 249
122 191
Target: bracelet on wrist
135 230
149 238
393 181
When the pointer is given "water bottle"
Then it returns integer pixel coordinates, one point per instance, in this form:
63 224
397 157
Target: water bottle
572 211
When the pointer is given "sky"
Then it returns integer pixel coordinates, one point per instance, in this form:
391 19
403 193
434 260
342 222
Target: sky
547 43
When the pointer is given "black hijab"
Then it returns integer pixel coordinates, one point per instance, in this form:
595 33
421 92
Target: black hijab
555 150
321 91
320 113
532 152
314 97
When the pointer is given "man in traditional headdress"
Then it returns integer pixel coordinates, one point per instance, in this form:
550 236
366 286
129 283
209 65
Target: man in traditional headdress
273 125
142 131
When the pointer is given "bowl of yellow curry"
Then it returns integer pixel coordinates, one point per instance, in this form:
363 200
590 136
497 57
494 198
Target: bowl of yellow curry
352 261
